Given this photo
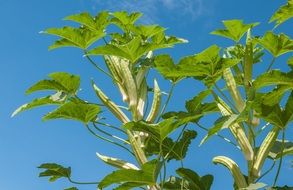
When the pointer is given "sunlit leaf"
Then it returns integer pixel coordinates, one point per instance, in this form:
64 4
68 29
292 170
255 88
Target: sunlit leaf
284 13
80 111
147 175
194 104
254 186
75 37
54 171
60 81
288 111
234 29
97 23
55 99
274 77
275 96
276 44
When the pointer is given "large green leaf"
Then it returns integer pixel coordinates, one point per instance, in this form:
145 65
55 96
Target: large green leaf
159 131
234 29
81 111
284 13
275 151
195 103
125 20
170 149
166 67
275 96
97 23
74 37
276 44
60 81
198 183
177 183
206 65
54 171
55 99
274 77
147 175
148 31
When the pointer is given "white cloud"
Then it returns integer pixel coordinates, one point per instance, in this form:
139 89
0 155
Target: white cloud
152 8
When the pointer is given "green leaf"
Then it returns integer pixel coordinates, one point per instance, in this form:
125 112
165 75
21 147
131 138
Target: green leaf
45 85
54 171
128 186
159 131
284 13
125 20
71 188
148 31
276 44
170 149
197 182
166 67
176 183
275 96
275 151
55 99
80 111
272 114
97 23
147 175
234 29
191 176
60 81
74 37
274 77
194 104
207 65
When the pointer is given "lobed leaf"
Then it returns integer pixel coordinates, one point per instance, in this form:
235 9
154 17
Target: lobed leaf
54 171
276 44
80 111
146 176
284 13
234 29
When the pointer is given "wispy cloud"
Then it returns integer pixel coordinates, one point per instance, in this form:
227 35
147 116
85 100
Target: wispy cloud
153 8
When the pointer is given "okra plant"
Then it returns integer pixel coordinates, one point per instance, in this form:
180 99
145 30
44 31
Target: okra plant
245 101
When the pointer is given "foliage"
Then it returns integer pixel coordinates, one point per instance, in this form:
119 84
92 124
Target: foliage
154 137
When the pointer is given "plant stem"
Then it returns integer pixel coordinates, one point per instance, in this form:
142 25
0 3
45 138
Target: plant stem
108 140
271 64
82 183
281 159
167 101
110 135
265 173
225 97
96 66
220 136
111 126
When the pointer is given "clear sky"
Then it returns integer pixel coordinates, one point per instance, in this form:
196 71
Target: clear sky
26 141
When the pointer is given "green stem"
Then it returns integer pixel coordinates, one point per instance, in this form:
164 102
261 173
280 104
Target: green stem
225 97
281 159
167 101
220 136
110 135
268 171
108 140
111 126
96 66
271 64
82 183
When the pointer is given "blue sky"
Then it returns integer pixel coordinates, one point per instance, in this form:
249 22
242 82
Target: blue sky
26 141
